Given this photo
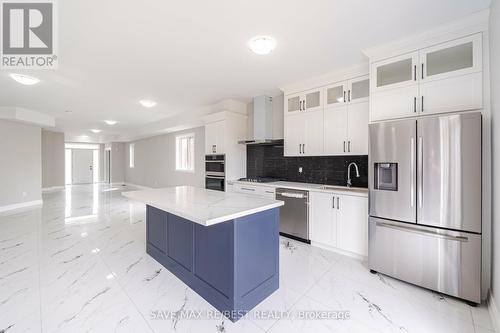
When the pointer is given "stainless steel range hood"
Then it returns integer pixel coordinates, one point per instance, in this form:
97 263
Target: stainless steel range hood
262 122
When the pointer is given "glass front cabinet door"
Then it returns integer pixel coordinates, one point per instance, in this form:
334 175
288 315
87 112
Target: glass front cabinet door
451 76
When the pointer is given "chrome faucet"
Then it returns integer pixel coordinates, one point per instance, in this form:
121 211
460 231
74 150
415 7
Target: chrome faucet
349 183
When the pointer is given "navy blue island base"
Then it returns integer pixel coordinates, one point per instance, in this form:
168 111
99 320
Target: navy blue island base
234 265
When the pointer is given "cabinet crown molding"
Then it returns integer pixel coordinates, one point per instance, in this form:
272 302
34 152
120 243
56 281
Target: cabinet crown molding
325 79
471 24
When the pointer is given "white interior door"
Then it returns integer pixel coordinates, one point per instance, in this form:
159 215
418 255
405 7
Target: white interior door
82 166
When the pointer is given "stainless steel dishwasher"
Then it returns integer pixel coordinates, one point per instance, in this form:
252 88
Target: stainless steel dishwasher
294 215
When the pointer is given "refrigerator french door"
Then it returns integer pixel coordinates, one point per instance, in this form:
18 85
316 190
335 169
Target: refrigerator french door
425 202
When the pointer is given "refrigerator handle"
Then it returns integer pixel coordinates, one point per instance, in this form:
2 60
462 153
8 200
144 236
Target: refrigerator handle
420 175
412 171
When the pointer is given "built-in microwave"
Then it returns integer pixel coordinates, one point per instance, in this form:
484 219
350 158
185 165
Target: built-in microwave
215 163
215 172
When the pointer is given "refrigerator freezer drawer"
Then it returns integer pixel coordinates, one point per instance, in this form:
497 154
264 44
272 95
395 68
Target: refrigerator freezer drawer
441 260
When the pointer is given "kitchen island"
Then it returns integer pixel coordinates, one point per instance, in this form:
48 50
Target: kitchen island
225 246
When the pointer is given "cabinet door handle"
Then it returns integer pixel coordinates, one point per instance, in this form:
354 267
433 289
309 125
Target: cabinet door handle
338 203
415 72
300 105
333 202
349 95
344 146
300 148
248 189
344 97
303 105
415 104
303 148
422 71
348 146
422 103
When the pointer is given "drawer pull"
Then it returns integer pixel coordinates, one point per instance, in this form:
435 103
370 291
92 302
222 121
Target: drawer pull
424 232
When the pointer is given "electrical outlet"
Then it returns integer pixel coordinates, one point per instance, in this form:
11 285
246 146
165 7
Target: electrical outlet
300 170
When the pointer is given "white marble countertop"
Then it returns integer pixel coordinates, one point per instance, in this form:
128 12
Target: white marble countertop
355 191
205 207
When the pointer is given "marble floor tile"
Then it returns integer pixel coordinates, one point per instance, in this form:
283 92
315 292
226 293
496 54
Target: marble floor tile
78 264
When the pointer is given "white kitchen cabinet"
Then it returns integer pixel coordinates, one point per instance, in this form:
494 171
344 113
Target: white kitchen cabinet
310 100
293 135
451 76
451 59
323 217
323 127
335 129
214 137
352 224
304 134
340 221
336 94
313 133
395 103
265 191
447 77
293 104
357 128
395 72
358 90
346 123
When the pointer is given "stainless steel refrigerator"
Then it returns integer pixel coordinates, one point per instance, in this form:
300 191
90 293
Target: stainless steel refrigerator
425 202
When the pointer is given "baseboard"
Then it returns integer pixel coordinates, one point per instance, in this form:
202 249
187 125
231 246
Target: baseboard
339 251
52 188
21 205
139 186
494 314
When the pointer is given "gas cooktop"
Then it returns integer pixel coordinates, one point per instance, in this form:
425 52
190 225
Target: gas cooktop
260 180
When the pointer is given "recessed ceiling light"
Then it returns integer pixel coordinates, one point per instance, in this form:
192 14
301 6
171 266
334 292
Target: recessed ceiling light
24 79
147 103
262 44
95 130
110 122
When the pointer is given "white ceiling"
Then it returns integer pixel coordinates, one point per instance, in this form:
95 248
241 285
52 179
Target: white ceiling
188 54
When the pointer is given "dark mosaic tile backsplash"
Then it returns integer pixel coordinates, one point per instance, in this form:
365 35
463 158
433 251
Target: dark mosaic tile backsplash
268 161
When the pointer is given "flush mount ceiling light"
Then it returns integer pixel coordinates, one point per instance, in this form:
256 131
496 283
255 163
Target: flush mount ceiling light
110 122
95 130
147 103
262 44
24 79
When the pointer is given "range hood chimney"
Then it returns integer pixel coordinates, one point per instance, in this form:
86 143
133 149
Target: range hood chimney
262 121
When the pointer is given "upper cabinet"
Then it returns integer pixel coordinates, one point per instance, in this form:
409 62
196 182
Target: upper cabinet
443 78
346 115
396 72
311 100
214 137
330 120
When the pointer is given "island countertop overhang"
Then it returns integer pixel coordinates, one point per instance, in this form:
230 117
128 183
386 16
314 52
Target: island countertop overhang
202 206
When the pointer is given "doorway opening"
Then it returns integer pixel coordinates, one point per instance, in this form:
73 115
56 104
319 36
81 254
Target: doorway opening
82 163
107 166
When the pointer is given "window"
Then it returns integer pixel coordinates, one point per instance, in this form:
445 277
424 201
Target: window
131 155
184 152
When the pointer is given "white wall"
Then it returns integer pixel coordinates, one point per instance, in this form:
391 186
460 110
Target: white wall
21 163
155 161
495 112
52 159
